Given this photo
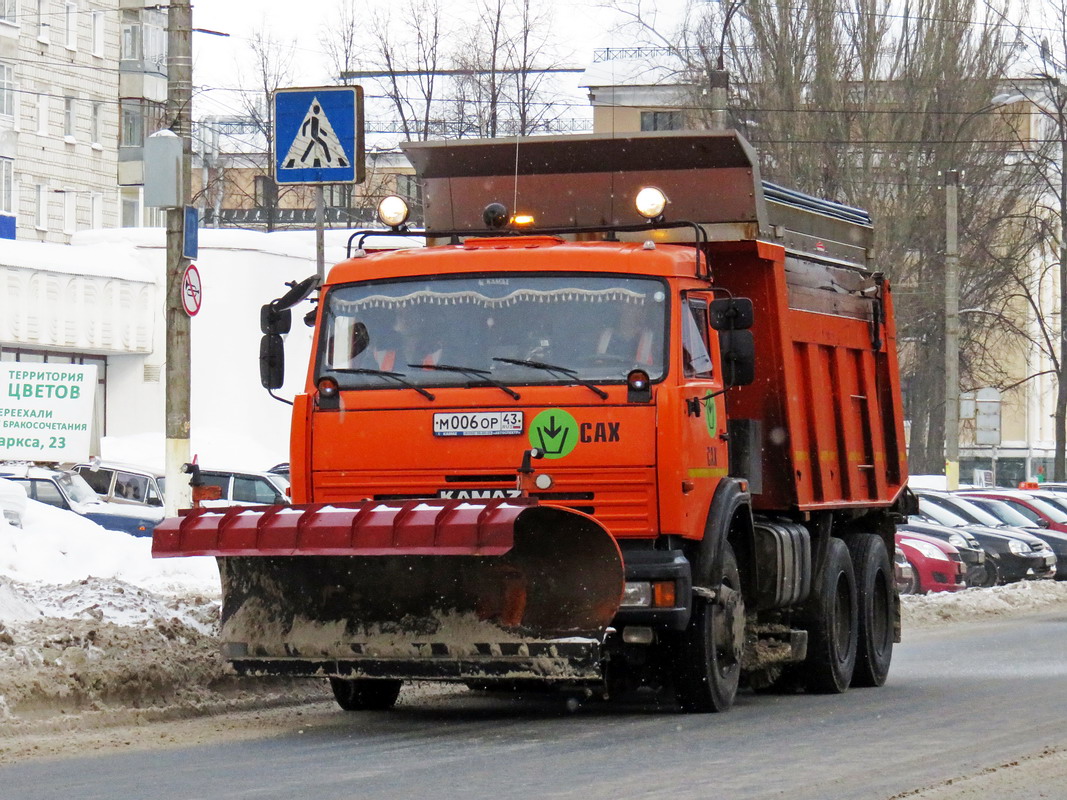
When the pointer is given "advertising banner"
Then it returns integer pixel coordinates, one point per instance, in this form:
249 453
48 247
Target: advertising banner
46 411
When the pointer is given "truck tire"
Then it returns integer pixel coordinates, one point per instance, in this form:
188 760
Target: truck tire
709 651
365 694
831 621
874 591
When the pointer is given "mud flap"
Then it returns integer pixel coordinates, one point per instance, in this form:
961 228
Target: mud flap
539 610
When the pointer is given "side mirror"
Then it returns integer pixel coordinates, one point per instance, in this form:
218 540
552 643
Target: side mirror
1043 523
738 350
731 313
271 361
275 321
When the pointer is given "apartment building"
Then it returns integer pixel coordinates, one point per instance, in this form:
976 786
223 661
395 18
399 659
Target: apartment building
82 82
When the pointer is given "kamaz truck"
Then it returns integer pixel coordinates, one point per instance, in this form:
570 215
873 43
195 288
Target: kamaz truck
631 418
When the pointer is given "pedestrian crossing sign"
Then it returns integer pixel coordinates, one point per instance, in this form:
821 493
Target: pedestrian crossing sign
318 135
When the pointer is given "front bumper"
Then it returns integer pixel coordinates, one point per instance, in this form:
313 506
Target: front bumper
1019 568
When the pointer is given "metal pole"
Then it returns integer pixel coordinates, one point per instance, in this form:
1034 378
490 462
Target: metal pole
179 113
320 234
952 331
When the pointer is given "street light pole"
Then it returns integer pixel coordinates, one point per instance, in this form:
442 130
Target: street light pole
179 114
719 78
952 331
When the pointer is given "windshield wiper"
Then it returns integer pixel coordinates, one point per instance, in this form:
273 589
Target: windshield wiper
471 372
396 376
567 371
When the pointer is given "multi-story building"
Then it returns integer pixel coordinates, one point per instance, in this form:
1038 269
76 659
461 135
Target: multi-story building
82 82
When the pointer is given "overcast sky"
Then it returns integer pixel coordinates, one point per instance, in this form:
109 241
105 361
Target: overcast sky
584 27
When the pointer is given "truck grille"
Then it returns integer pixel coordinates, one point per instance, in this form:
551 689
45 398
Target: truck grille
623 500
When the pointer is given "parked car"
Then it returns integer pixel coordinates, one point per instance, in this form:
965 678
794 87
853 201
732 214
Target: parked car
125 484
247 488
1012 553
937 564
12 502
69 491
1055 539
1042 516
976 571
281 469
903 573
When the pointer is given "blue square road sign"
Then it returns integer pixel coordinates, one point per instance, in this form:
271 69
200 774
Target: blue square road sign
318 135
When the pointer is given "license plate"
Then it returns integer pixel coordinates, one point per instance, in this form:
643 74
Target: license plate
478 423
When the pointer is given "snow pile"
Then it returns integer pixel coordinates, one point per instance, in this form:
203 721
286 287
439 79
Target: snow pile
973 604
95 631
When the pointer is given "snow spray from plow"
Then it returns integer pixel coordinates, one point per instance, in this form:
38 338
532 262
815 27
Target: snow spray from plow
421 589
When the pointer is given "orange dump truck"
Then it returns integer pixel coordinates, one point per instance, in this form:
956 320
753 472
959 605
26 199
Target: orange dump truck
631 418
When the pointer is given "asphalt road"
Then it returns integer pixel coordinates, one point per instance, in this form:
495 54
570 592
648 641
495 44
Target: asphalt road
959 699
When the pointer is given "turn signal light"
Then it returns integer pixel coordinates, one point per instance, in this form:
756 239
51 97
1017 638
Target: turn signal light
522 220
328 387
663 594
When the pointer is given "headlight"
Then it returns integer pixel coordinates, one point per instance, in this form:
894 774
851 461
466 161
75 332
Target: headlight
637 593
928 550
393 211
956 540
650 202
1019 548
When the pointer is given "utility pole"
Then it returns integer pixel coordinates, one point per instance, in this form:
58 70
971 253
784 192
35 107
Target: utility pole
952 331
179 115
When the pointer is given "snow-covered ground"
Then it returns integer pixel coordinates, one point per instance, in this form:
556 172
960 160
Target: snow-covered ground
94 630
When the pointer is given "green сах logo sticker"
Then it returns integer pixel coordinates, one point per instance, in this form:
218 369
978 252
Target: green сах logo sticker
555 432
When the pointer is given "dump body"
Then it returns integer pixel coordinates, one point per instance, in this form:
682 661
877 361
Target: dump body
554 439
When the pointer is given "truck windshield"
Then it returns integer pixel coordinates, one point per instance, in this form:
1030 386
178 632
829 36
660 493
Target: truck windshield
596 327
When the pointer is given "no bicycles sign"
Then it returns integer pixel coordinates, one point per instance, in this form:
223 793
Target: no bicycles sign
191 291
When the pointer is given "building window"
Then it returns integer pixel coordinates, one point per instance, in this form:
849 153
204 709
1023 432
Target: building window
70 117
131 208
131 37
132 133
7 90
40 202
97 23
266 192
41 21
662 121
155 40
96 110
96 210
42 114
70 211
70 25
7 185
9 11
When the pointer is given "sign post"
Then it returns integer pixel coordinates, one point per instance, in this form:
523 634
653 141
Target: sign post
318 139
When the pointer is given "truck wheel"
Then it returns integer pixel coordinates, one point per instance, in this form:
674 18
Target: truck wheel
709 655
365 694
830 618
874 590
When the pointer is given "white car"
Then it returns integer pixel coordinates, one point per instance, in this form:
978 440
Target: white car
12 502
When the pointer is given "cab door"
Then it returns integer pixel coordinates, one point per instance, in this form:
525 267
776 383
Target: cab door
703 447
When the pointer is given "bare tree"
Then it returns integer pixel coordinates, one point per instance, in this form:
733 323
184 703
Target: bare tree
340 39
847 100
408 52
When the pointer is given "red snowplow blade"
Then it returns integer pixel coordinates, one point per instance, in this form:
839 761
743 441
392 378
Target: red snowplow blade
421 589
